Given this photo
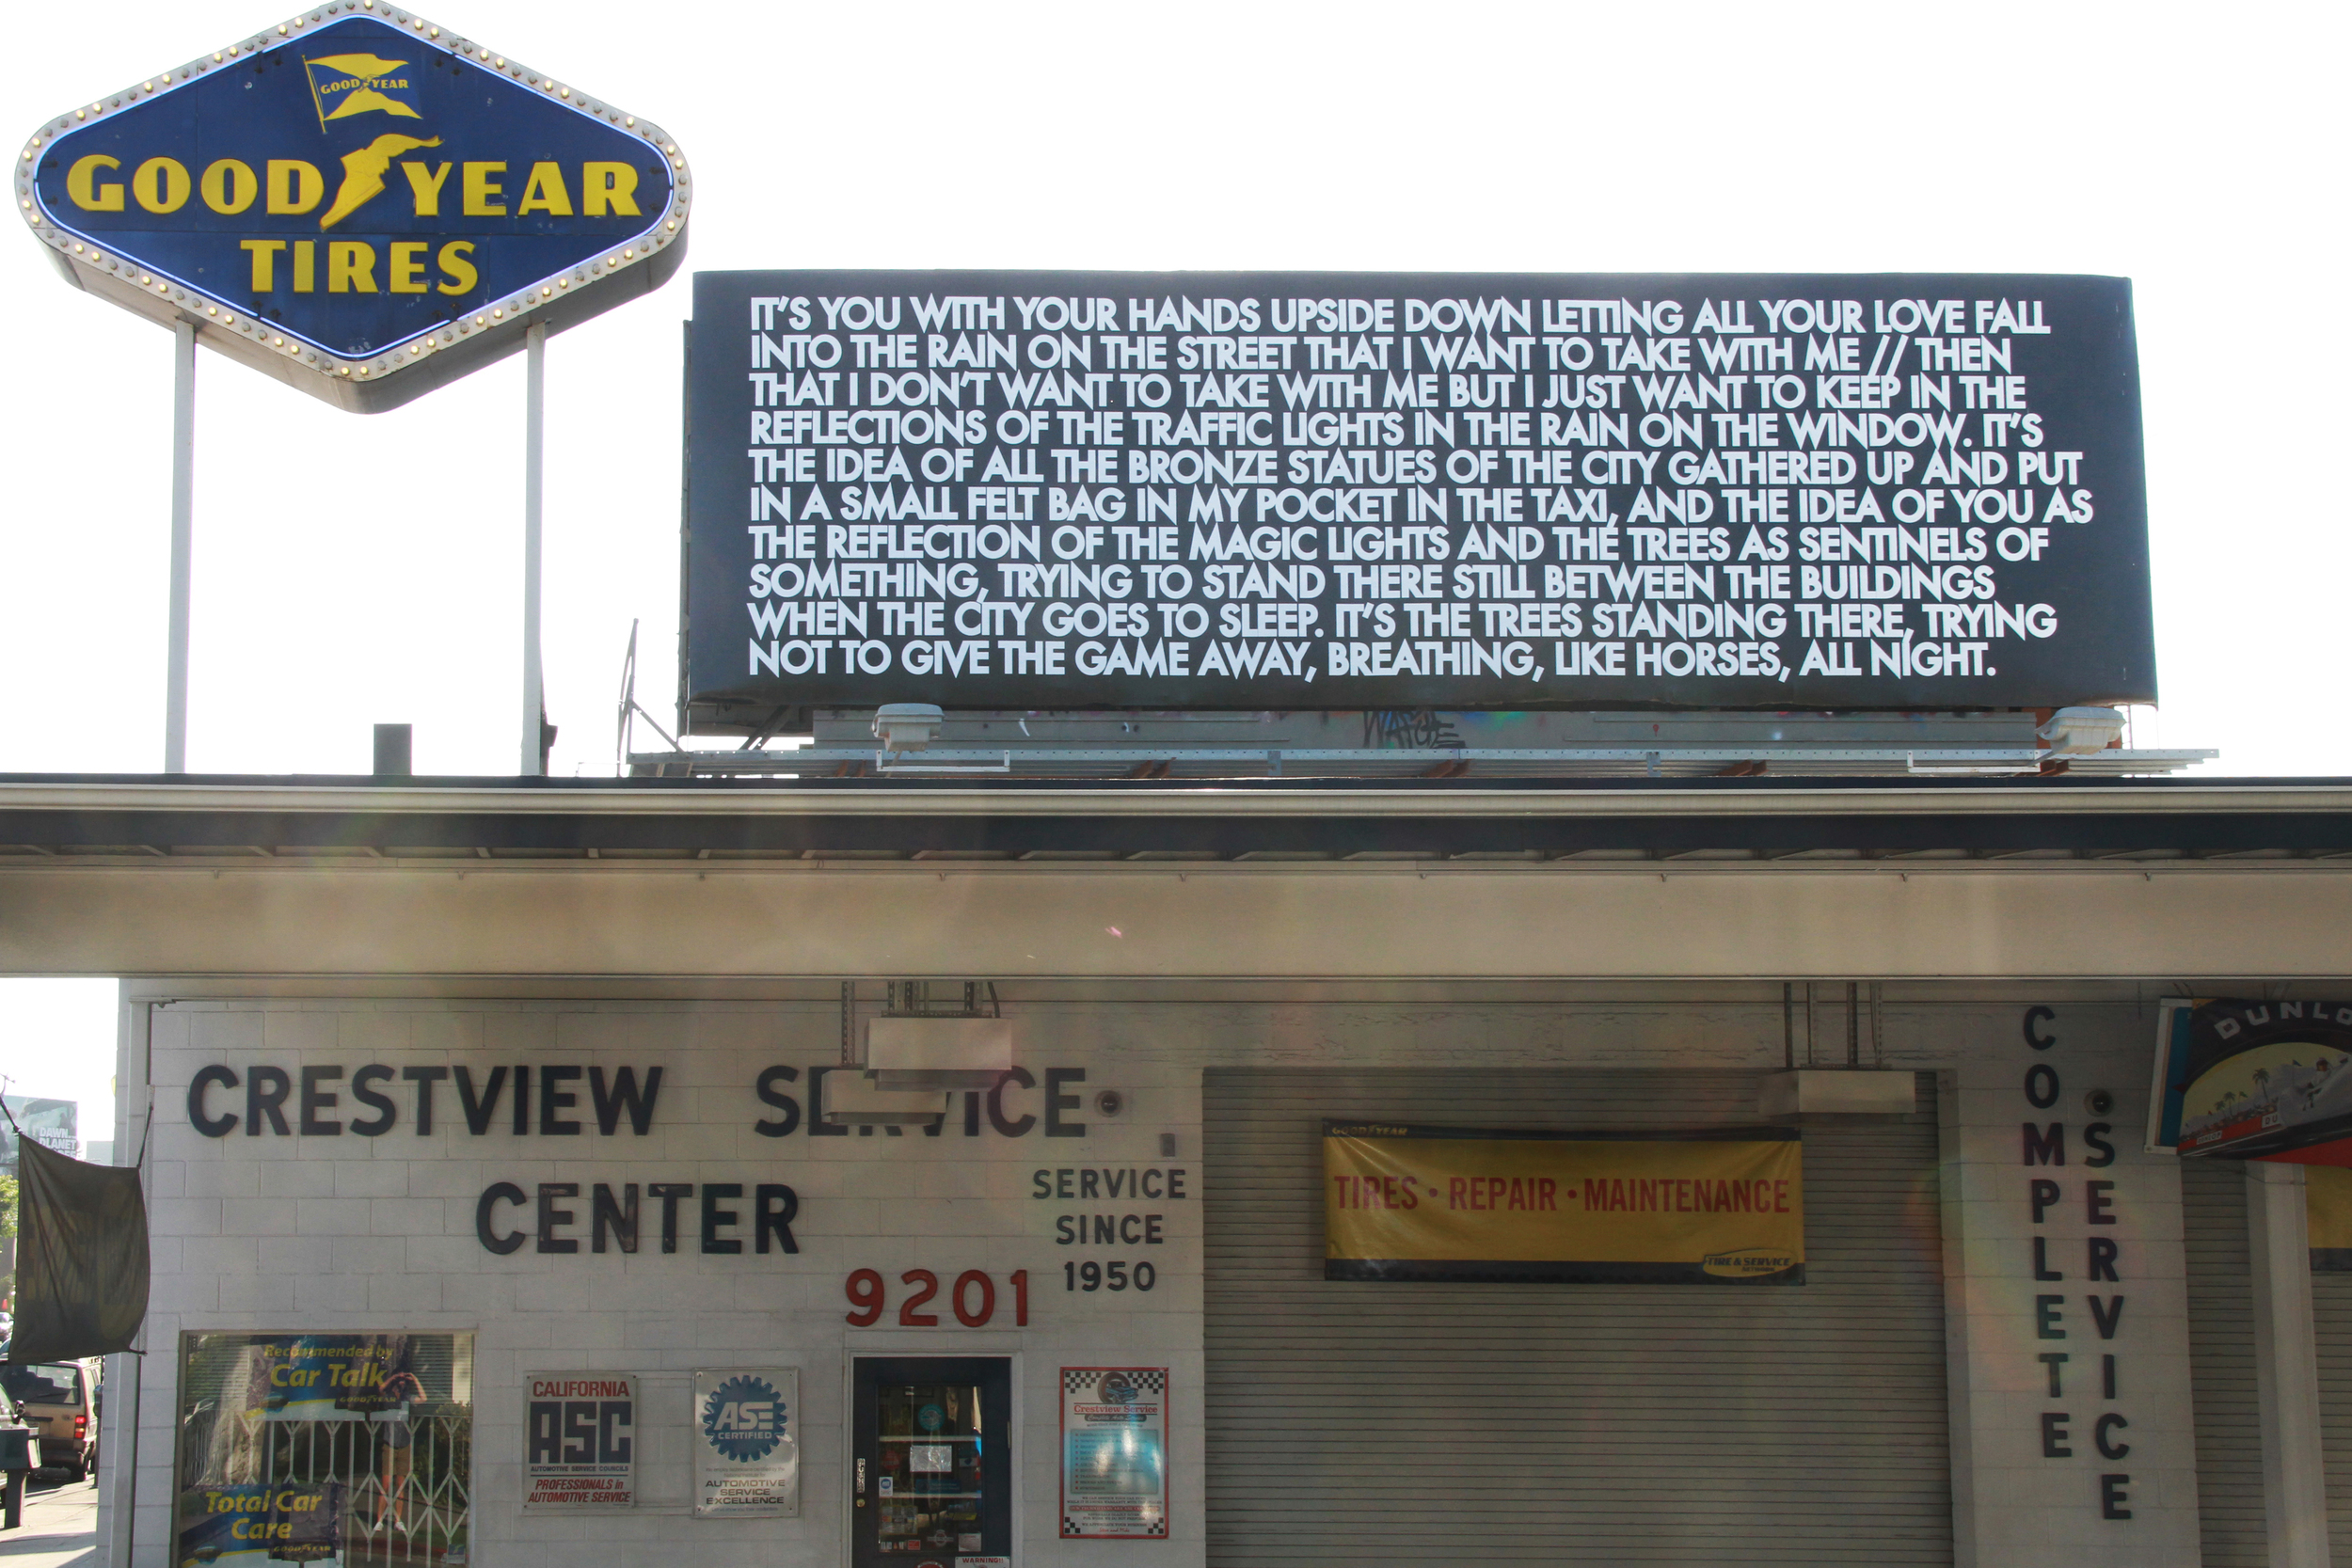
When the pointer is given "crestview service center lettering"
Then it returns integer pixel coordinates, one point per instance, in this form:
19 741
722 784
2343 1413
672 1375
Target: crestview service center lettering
543 1100
554 1099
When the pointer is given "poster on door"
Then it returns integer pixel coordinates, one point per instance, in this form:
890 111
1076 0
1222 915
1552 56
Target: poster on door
747 1448
580 1442
1114 1453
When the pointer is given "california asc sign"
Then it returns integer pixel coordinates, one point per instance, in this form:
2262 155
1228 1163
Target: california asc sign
358 201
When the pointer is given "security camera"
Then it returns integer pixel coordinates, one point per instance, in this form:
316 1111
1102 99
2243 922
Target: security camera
2098 1103
1109 1105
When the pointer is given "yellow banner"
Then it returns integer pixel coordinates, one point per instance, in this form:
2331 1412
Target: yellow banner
1474 1204
2328 1216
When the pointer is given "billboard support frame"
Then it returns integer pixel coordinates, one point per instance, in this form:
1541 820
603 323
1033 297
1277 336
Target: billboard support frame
182 544
534 477
532 751
366 362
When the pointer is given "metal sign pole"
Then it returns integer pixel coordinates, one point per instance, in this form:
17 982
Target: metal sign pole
535 442
182 544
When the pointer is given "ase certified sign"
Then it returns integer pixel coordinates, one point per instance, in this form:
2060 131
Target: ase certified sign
358 201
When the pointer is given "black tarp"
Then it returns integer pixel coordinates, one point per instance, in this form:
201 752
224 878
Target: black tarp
81 1258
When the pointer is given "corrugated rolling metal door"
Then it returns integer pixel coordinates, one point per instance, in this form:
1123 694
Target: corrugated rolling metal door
1444 1423
2221 1349
2221 1364
2331 1304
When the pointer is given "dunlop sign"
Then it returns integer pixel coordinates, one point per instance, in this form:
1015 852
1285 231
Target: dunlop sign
1383 490
1705 1208
358 201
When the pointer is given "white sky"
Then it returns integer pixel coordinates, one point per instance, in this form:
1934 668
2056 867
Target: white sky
57 1042
351 570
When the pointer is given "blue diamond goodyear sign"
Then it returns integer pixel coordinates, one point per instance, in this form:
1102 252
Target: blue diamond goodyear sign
358 201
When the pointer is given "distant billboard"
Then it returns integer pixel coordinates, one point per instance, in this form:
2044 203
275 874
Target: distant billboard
55 1123
363 206
994 489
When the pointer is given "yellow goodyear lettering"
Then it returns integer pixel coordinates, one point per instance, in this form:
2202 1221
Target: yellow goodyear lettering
294 186
608 186
229 187
425 185
81 183
545 192
409 266
160 185
350 267
264 254
291 187
483 193
458 276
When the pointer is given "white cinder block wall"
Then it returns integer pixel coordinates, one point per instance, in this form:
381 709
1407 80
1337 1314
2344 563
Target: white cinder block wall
346 1233
2030 1480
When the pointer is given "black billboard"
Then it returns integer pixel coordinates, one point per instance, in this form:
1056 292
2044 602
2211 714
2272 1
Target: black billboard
1358 490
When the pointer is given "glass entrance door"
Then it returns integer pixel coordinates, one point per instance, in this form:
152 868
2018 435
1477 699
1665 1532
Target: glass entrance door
930 1469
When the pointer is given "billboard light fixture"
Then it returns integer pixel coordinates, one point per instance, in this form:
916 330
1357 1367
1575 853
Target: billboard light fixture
2082 729
908 726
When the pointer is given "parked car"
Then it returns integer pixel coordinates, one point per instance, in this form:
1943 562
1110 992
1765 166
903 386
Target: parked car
60 1402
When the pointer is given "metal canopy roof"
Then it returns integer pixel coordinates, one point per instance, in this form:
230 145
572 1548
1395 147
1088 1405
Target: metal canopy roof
184 820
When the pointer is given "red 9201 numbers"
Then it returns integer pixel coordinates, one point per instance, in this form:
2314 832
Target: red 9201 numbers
973 1298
